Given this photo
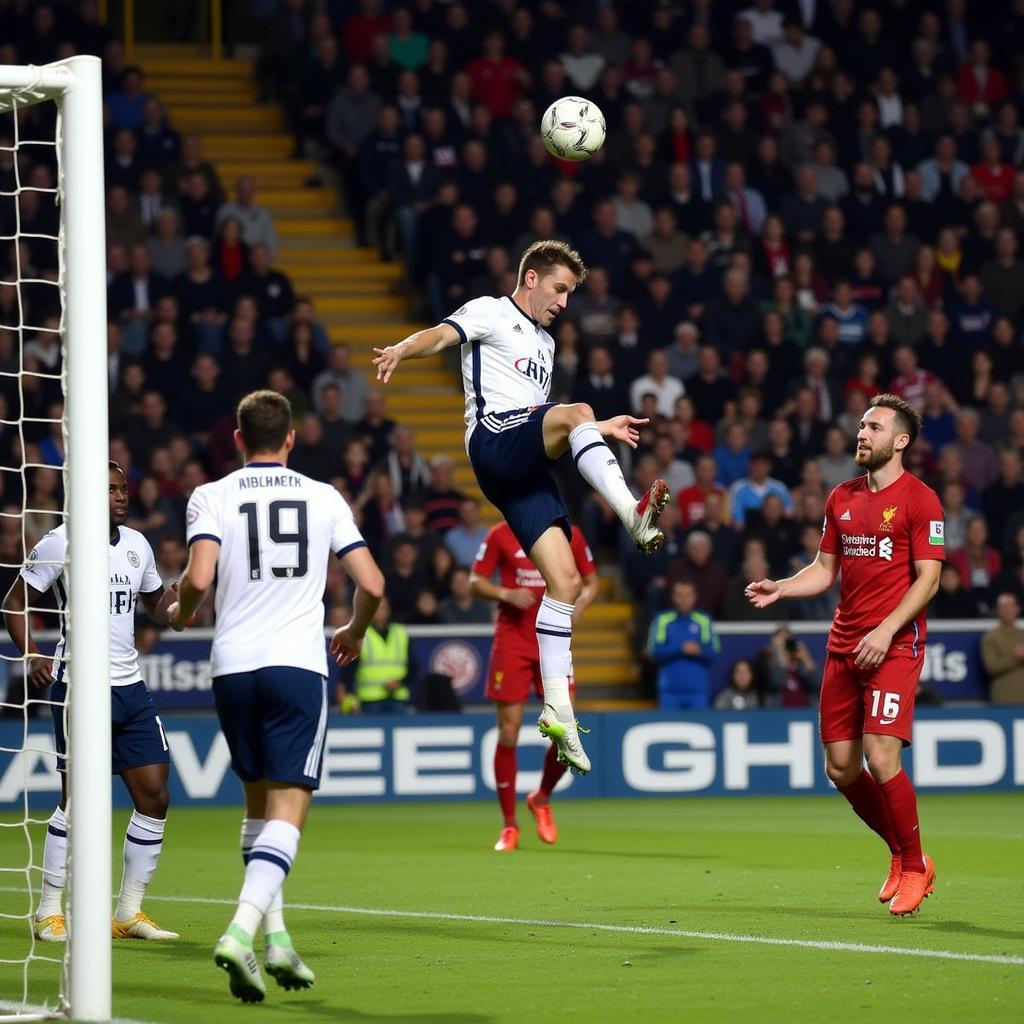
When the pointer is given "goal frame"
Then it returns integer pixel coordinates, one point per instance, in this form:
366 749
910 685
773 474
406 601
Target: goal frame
75 85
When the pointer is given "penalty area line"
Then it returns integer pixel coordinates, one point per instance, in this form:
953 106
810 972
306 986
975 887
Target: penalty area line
824 945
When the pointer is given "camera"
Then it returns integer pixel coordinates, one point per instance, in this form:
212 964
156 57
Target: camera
792 644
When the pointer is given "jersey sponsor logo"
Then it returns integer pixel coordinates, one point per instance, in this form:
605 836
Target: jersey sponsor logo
885 548
530 367
845 517
860 545
133 560
459 661
888 515
937 532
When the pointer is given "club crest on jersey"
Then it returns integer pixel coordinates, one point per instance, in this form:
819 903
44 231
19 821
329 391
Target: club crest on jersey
133 560
888 514
530 367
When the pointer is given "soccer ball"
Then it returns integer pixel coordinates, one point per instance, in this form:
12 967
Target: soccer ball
573 128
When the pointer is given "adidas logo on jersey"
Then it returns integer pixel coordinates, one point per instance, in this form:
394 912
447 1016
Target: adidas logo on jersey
517 328
846 517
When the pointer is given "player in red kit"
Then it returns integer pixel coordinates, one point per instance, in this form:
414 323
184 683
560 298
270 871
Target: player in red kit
513 674
884 534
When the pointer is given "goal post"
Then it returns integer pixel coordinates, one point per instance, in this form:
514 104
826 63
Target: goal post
75 86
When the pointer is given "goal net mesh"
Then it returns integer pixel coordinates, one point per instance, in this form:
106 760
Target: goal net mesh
33 486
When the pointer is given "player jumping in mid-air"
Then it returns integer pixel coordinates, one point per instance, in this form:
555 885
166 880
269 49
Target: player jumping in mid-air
514 435
884 533
514 669
266 532
139 747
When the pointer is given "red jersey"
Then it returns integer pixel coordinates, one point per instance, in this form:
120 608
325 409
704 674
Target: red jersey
691 503
502 553
877 536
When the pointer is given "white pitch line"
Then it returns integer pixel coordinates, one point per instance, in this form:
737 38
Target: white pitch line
826 945
626 929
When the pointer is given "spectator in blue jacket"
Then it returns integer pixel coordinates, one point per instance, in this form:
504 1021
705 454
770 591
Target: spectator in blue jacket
683 643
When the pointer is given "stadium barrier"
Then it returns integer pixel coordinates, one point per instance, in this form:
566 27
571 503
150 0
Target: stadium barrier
177 667
450 757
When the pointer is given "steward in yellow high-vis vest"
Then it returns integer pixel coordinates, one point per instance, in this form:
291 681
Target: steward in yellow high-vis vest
385 666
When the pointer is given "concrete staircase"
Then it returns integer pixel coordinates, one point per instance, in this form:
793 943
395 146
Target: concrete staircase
355 295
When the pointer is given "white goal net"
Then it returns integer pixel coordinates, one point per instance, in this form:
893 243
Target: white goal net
53 470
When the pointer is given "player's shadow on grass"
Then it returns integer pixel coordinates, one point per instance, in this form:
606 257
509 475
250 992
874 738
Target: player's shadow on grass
307 1008
931 924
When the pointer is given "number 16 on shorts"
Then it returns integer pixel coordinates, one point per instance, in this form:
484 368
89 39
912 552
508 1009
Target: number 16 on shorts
885 706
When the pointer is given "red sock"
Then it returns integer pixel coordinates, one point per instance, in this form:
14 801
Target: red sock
505 777
868 800
553 771
902 802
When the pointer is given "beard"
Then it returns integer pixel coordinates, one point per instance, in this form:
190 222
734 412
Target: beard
876 457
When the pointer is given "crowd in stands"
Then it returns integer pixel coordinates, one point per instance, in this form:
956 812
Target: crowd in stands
799 205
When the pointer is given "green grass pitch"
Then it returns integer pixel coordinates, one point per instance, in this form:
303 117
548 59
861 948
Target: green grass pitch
662 891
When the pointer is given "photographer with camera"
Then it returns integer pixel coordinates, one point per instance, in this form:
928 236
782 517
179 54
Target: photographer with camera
787 674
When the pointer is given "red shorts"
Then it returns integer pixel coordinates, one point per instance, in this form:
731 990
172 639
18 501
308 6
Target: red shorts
513 675
856 701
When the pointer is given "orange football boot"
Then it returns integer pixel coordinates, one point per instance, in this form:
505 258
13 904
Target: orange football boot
915 888
546 828
892 883
508 840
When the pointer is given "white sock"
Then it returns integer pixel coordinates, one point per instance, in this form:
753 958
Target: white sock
143 841
270 860
554 639
55 862
599 467
273 921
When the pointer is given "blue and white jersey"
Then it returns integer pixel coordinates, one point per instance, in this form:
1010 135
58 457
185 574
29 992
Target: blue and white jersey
132 572
276 529
507 359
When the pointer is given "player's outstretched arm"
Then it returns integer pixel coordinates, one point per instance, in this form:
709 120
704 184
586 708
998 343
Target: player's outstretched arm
810 581
369 580
19 598
423 343
195 581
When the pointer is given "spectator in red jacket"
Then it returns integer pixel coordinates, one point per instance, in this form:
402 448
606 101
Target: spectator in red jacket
497 80
978 82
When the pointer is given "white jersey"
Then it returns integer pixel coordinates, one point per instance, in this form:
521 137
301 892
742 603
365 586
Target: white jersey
507 359
276 529
132 572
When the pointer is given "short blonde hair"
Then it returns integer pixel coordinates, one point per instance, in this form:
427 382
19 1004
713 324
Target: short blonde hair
545 255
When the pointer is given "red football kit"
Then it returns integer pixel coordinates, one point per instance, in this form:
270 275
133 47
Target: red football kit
514 668
877 537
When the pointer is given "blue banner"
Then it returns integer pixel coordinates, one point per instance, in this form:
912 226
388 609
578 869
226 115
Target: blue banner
177 667
450 757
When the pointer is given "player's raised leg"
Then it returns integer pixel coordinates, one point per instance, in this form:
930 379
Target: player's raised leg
553 557
510 718
280 959
573 428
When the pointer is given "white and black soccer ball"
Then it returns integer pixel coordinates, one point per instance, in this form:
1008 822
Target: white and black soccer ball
573 128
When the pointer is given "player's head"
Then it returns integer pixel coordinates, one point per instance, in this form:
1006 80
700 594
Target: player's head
548 273
118 491
888 428
264 425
